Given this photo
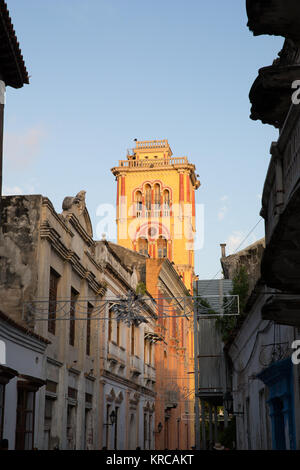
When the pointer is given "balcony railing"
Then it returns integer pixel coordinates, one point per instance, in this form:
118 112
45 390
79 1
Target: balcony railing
136 365
283 174
153 163
114 351
149 373
156 212
150 144
275 17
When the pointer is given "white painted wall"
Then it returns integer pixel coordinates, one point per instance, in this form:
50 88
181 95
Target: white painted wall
25 354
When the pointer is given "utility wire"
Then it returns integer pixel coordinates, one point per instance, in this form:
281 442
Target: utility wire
237 249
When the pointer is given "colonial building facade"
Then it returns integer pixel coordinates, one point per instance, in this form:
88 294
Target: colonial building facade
167 349
60 283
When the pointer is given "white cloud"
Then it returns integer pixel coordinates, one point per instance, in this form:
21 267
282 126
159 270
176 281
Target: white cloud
21 149
224 209
17 190
11 191
222 212
235 241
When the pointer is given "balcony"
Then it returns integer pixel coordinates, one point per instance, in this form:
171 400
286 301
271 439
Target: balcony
133 165
149 373
280 209
274 17
283 309
136 366
116 355
271 93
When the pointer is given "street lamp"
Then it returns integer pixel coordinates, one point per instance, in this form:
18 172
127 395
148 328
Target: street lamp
112 418
228 404
159 428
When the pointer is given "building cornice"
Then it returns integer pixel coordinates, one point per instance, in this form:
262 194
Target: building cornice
52 236
80 230
48 204
128 383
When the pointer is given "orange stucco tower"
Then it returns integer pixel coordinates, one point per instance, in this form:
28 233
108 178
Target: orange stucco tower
156 205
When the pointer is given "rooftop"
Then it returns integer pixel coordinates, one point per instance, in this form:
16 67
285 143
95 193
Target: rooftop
12 66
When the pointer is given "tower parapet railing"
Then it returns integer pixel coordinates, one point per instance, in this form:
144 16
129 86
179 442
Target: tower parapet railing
152 163
150 144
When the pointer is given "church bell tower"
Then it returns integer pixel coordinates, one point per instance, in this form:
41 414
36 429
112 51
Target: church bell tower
156 205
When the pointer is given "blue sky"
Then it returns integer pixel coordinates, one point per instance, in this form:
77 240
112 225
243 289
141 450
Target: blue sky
104 72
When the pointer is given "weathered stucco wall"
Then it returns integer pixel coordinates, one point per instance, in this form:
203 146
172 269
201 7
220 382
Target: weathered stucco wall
20 216
250 258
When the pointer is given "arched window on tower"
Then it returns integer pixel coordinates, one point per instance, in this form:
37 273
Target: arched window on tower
139 203
143 246
162 247
156 200
148 200
166 203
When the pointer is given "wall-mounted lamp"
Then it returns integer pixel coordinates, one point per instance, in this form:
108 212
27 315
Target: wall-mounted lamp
112 418
159 428
228 404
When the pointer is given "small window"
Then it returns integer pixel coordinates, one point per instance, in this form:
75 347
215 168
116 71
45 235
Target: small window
74 297
132 340
148 197
143 246
118 333
110 323
166 203
53 285
88 329
139 203
162 247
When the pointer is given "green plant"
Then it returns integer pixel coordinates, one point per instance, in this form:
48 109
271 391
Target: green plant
240 287
208 310
141 288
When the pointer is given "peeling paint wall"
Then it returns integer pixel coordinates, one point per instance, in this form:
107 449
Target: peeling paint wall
19 236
